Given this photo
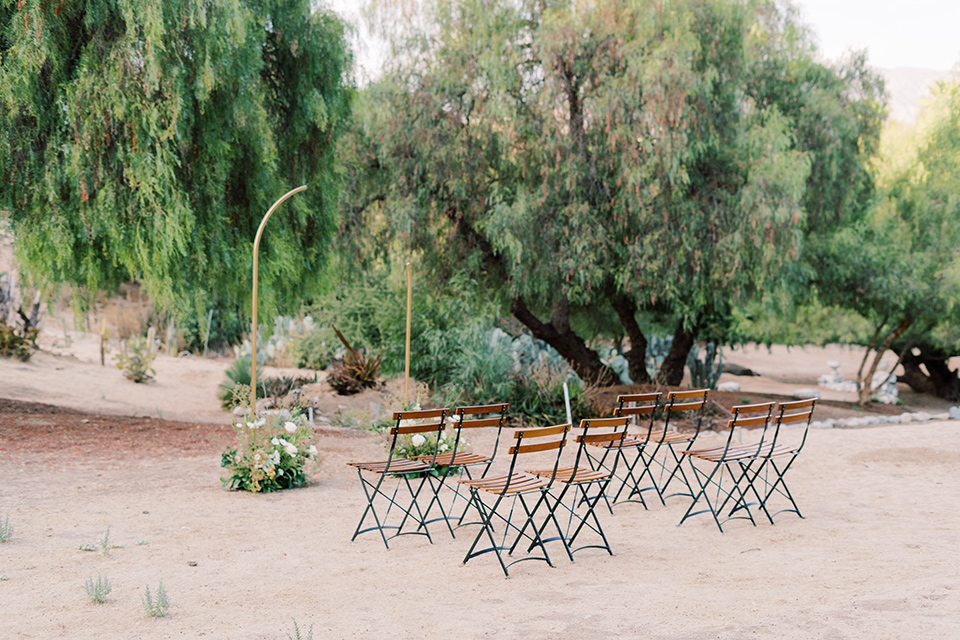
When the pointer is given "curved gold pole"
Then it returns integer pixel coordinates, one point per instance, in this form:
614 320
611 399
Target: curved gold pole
253 338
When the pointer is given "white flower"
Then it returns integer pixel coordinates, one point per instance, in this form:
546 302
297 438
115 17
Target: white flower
256 456
417 440
275 457
456 417
280 472
275 442
260 422
443 447
290 449
290 427
312 451
251 425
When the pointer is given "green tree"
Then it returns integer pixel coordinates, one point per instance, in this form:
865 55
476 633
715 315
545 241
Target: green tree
144 141
642 163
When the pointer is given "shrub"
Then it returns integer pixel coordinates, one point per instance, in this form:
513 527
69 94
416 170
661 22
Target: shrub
98 590
272 453
238 375
136 358
15 343
155 607
354 373
315 349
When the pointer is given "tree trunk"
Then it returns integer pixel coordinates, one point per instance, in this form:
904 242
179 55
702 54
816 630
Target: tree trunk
584 360
941 382
866 389
671 371
637 356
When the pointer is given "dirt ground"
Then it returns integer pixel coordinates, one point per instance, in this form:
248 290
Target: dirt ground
82 449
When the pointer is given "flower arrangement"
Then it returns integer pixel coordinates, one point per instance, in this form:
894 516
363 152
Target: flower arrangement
418 444
272 454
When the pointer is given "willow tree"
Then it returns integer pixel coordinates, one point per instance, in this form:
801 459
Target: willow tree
144 140
642 161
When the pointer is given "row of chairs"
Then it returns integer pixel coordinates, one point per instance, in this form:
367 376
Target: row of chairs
606 454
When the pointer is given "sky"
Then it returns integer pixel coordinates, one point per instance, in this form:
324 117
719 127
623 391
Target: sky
896 33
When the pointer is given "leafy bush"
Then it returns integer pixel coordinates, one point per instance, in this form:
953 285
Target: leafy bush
272 454
99 589
15 343
315 349
136 358
155 607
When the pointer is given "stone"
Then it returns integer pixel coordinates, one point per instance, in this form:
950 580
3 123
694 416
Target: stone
954 413
806 394
728 386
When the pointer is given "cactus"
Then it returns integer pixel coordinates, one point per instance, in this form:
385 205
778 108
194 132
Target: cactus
705 373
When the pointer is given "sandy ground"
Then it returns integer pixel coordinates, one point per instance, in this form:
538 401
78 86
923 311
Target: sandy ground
876 556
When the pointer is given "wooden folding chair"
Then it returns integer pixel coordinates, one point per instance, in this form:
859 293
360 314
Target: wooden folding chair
693 403
800 411
622 456
729 478
455 461
403 471
584 479
517 486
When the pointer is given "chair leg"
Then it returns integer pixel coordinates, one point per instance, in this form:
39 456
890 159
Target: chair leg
370 509
702 493
785 492
677 467
436 500
590 513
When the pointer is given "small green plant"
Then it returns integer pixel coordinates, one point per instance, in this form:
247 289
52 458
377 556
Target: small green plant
103 544
744 400
296 632
6 529
155 606
272 454
98 590
15 343
136 358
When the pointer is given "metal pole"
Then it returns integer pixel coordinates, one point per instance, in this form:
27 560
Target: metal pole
253 338
406 365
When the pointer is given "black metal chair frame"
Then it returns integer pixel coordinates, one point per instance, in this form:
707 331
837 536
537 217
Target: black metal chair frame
582 480
671 408
459 422
519 486
403 471
733 464
786 413
627 478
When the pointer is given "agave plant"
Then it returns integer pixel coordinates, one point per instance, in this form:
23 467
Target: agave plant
355 372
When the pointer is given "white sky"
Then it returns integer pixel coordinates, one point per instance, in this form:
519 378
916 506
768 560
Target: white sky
896 33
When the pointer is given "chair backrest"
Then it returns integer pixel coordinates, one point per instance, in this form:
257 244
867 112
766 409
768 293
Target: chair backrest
479 416
411 422
794 412
531 440
641 408
676 402
611 430
750 415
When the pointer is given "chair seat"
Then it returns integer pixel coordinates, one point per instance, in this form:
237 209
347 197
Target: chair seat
671 437
458 459
513 483
395 466
572 474
744 452
619 444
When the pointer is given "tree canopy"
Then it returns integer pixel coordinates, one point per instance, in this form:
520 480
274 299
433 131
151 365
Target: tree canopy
145 140
651 164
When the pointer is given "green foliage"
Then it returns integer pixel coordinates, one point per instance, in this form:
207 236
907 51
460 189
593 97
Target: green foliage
15 343
296 632
98 590
705 372
238 375
809 323
315 348
158 605
6 529
135 359
272 454
144 141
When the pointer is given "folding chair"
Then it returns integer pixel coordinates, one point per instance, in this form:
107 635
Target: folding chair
413 474
582 480
800 411
694 402
455 461
616 451
517 486
730 465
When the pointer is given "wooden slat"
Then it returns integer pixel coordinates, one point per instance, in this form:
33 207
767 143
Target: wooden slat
753 408
752 421
686 406
796 417
537 446
639 397
600 437
594 423
420 415
416 428
686 395
539 432
483 408
476 424
798 404
636 411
